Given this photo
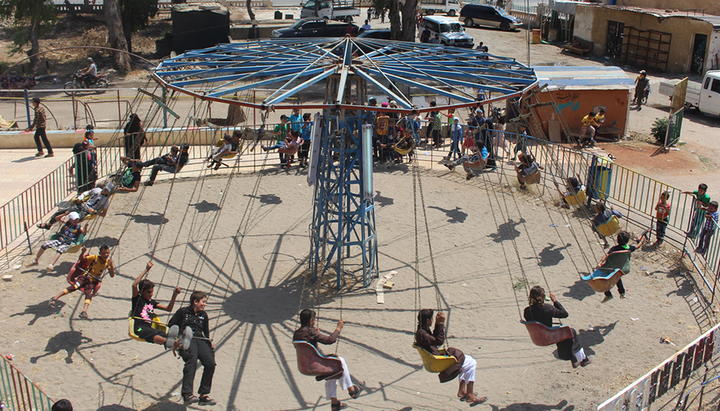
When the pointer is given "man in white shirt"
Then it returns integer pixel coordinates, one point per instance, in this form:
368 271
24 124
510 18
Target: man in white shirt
366 26
89 74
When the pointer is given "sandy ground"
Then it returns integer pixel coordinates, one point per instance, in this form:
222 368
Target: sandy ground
249 252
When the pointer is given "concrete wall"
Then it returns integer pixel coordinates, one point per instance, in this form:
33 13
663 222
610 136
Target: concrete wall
707 6
591 22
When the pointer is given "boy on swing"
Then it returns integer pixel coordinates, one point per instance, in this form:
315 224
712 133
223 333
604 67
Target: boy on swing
143 311
91 267
623 238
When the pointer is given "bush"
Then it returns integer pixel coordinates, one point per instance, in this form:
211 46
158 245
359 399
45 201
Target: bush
659 129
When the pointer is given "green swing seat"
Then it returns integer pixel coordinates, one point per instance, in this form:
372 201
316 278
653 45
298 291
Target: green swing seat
74 246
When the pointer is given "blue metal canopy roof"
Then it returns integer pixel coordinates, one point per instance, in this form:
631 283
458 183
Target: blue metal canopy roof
282 68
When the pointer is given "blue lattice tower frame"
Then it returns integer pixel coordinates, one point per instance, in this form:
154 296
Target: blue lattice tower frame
343 211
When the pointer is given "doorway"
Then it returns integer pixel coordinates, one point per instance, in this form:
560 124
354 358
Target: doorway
614 39
697 60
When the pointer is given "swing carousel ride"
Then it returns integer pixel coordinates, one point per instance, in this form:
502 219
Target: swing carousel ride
337 77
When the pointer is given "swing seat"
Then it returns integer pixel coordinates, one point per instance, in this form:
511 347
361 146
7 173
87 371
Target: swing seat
90 217
610 227
79 269
576 199
542 335
435 363
75 246
156 324
603 279
404 151
311 362
533 178
291 151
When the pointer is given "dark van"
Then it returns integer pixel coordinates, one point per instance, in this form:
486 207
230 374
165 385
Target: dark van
490 16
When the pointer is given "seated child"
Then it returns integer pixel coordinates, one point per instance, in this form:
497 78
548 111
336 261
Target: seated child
526 168
573 187
143 311
69 233
90 269
215 158
473 165
603 215
289 147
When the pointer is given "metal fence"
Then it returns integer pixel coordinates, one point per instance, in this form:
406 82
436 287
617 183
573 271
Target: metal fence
19 393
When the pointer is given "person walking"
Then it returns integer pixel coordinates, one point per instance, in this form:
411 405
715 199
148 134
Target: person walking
38 125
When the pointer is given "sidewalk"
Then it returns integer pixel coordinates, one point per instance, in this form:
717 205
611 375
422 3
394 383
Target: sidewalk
21 169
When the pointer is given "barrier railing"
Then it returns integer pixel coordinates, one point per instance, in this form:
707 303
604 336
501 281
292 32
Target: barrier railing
19 393
642 393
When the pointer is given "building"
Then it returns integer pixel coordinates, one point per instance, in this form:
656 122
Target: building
653 39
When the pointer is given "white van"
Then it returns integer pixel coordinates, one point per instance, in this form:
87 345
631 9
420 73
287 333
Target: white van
450 30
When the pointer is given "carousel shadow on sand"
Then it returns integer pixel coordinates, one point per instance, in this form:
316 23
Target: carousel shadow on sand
39 310
580 290
454 215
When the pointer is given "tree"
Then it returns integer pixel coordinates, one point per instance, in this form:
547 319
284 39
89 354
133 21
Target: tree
135 15
116 36
248 4
32 18
409 22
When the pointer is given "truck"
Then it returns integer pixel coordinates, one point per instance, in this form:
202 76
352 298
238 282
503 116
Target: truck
430 7
317 27
704 97
341 10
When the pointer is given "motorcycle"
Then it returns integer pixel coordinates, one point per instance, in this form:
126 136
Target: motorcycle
101 83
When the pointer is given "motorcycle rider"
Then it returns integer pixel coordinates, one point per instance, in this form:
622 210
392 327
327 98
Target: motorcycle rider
641 86
88 75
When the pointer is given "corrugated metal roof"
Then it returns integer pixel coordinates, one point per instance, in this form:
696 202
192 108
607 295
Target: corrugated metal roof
583 78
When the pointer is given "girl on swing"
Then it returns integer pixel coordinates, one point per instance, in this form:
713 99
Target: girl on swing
308 332
143 311
465 366
541 312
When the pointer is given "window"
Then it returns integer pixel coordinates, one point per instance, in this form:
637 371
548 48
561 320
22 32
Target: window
715 86
707 83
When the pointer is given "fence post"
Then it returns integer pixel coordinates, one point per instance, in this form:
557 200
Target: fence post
164 99
27 106
74 108
120 117
27 234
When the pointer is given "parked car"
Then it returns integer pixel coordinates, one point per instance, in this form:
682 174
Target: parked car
450 31
375 34
490 16
314 28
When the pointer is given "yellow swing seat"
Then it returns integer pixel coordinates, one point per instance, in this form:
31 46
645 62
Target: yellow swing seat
610 227
405 151
576 199
542 335
603 279
156 324
435 363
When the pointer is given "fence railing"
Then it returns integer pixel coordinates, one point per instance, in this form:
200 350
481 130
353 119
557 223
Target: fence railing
19 393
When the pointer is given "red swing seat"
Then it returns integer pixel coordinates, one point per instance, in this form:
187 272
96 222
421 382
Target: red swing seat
542 335
80 268
311 362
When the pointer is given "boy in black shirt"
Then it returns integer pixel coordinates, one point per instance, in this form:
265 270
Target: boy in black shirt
143 312
195 318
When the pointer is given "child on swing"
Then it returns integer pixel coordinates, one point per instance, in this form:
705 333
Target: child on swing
465 366
91 268
143 311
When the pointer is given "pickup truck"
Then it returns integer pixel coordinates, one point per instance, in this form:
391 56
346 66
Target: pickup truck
704 97
449 7
342 10
315 28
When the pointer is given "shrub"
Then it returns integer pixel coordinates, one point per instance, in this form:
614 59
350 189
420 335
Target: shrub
659 129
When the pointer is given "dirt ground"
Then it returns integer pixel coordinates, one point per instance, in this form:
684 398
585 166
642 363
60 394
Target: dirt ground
476 228
252 263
